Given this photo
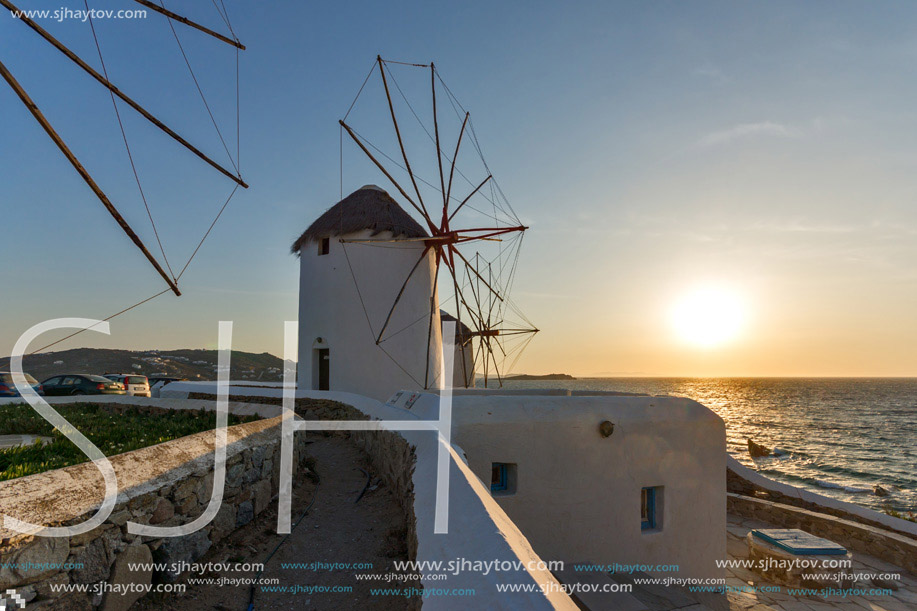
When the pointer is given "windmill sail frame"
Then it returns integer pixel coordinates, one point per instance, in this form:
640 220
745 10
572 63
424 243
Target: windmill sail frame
480 285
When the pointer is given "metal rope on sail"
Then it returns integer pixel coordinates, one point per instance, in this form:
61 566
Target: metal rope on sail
127 146
170 279
116 94
474 237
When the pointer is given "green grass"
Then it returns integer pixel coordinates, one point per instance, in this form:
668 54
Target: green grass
114 430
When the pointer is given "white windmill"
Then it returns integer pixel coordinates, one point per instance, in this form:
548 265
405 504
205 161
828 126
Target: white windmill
370 271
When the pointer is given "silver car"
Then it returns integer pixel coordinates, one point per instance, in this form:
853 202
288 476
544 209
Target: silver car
134 385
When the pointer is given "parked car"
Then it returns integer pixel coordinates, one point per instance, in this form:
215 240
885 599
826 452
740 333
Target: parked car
8 389
81 384
134 385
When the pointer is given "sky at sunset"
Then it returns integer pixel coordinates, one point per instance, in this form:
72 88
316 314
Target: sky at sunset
713 188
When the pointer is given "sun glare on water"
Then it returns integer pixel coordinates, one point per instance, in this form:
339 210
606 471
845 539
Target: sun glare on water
708 318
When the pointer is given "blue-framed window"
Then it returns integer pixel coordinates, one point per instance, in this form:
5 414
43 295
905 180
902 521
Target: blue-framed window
499 477
648 509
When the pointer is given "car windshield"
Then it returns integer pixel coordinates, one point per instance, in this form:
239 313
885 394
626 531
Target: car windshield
7 378
135 380
98 379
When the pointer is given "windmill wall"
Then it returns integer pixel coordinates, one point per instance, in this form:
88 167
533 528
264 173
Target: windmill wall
345 297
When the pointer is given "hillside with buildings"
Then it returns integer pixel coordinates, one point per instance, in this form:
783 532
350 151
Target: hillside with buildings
190 364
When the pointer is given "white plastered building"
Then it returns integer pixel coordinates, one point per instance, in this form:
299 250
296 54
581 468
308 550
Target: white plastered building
588 477
356 260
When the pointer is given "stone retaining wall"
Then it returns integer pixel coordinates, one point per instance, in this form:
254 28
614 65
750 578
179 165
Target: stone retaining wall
390 453
883 544
165 485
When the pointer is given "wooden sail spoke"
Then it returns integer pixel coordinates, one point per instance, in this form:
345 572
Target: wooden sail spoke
489 232
84 174
465 201
464 339
404 285
486 341
461 297
455 157
471 283
382 169
184 20
127 100
433 307
480 277
439 156
404 155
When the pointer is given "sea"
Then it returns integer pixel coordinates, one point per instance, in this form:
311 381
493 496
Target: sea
839 437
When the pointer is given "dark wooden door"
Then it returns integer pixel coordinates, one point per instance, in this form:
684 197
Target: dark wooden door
324 369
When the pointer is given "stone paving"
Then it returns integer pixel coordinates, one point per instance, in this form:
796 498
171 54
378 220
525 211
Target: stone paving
904 598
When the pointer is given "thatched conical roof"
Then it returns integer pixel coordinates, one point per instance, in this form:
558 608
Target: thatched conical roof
368 207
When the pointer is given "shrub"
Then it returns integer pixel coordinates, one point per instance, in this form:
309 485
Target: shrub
910 515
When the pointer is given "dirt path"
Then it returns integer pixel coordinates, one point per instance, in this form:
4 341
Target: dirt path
335 530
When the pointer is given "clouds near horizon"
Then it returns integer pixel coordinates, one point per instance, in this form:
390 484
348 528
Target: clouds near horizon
747 130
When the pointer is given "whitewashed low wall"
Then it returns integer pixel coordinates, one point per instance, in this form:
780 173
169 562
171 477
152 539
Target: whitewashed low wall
811 500
577 493
479 529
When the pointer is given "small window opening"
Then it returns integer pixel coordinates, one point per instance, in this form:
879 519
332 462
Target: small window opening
324 246
651 508
498 477
502 478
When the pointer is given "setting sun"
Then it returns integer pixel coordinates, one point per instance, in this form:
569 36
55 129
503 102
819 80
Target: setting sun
708 318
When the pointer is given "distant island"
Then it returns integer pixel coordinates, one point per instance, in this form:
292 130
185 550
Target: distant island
550 376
